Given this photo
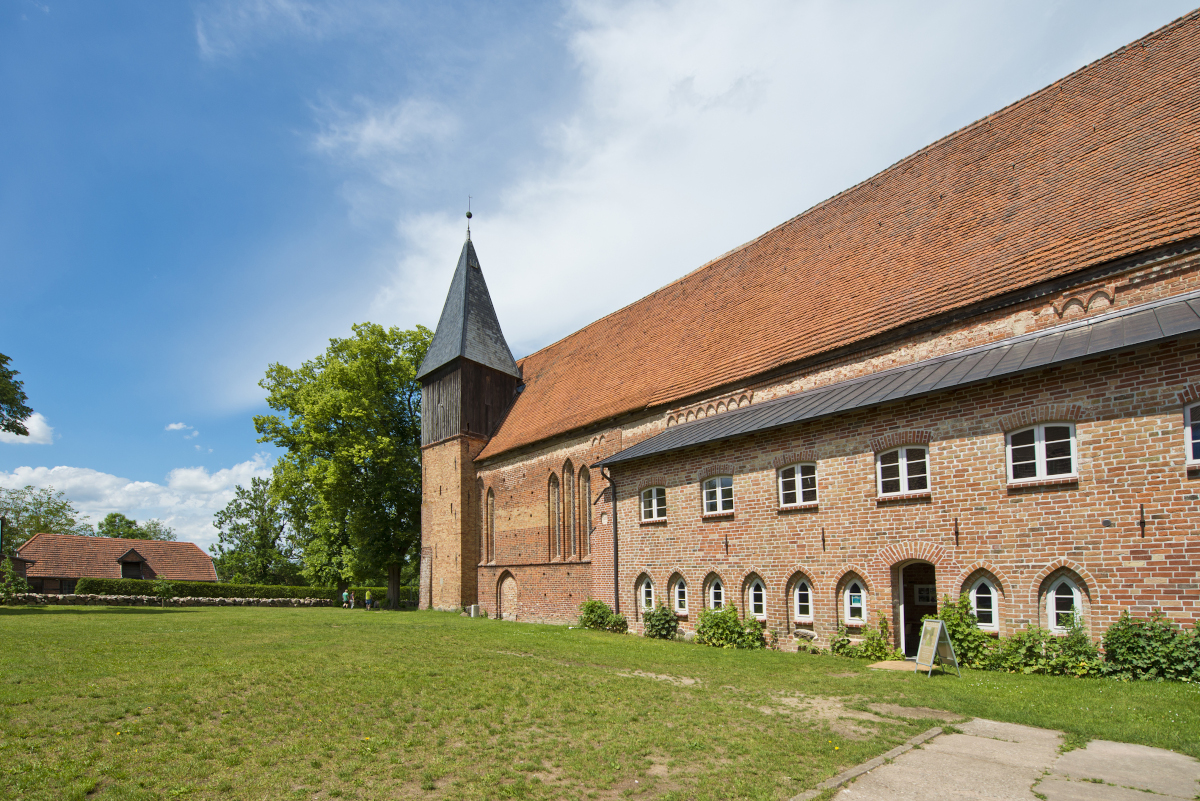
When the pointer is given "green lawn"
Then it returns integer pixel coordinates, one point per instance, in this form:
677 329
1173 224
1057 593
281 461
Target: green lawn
327 703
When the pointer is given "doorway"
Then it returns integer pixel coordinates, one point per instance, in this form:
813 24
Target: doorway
918 597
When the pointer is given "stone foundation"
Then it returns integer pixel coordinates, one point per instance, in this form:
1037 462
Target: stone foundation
40 599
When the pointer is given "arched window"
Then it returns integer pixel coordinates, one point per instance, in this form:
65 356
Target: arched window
716 594
1042 451
1064 604
718 495
803 598
654 503
585 512
903 470
983 602
568 510
1191 422
854 604
681 597
554 515
798 484
646 593
490 524
758 600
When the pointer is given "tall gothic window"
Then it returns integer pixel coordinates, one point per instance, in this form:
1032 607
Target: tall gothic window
554 517
585 512
568 510
490 524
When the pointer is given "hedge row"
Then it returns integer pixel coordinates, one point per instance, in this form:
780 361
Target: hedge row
214 589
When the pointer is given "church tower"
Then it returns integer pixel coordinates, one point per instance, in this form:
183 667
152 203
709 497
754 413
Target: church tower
468 380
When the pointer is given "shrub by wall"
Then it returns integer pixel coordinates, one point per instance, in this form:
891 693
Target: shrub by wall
1151 650
216 589
722 628
598 616
661 623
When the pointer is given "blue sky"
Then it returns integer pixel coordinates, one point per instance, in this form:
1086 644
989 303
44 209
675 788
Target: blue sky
191 191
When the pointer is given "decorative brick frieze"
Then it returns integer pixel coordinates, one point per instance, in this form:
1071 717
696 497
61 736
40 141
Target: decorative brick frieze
1042 413
716 469
794 457
895 439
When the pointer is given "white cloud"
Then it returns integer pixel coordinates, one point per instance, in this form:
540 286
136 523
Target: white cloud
40 432
225 28
177 427
186 502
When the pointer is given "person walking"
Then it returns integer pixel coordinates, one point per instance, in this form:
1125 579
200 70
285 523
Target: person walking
368 600
345 599
351 599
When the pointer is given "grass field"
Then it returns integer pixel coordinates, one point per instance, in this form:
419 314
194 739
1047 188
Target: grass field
250 703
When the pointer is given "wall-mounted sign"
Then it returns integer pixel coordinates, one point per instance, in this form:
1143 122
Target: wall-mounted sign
935 645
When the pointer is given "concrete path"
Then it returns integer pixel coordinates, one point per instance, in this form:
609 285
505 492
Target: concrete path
1002 761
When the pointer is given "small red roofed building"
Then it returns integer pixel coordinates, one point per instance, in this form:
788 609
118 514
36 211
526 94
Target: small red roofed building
55 562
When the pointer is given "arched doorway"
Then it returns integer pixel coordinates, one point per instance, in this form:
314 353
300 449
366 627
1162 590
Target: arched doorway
917 591
506 598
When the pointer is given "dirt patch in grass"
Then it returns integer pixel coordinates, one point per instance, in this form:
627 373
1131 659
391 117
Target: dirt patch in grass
914 712
678 681
841 719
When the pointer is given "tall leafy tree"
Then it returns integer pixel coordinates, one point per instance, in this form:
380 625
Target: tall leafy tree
254 544
350 426
30 510
118 525
13 411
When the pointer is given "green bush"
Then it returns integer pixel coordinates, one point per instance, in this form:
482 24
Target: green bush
661 623
1151 650
875 644
722 628
216 589
11 583
598 616
973 647
1036 650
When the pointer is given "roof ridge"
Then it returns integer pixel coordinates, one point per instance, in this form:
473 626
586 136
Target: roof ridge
829 200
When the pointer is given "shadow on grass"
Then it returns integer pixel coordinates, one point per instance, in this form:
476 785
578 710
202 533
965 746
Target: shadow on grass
9 611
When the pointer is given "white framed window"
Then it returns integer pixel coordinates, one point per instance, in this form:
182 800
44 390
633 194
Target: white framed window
925 594
1046 450
803 598
903 470
1191 427
983 604
716 594
646 594
654 503
854 599
681 597
1063 604
718 495
757 600
798 484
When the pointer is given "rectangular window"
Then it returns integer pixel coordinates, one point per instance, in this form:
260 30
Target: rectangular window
1191 423
1041 452
903 470
131 570
718 495
681 598
926 594
856 606
803 601
798 484
654 503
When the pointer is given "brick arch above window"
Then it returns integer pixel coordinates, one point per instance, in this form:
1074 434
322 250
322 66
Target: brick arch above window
1190 394
798 573
794 457
1083 578
973 572
1045 413
651 481
895 439
715 470
938 555
858 572
750 576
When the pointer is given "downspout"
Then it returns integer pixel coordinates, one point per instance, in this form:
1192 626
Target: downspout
616 550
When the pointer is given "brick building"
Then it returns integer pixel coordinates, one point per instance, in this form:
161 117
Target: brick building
978 370
58 561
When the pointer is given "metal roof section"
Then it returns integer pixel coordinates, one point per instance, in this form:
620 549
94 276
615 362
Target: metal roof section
1149 322
468 327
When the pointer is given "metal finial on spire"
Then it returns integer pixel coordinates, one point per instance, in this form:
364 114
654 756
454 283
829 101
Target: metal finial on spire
468 216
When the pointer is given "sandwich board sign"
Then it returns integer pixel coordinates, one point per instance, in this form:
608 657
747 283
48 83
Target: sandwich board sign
935 644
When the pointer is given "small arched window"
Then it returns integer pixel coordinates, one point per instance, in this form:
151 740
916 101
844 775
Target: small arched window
798 484
758 600
681 597
716 594
718 495
568 510
1064 604
854 604
1191 422
585 512
491 526
903 470
983 602
1042 451
646 594
654 503
803 597
554 515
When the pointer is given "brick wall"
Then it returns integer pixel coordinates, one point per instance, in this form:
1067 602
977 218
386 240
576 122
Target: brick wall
449 523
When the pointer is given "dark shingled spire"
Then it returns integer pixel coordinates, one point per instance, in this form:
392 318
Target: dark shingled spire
468 327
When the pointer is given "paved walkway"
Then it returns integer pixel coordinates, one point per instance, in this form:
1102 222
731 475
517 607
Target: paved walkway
991 760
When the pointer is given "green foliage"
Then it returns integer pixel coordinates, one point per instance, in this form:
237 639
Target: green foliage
119 526
973 647
350 475
661 623
11 582
875 645
1037 650
31 510
597 615
722 628
1151 650
13 411
214 589
254 544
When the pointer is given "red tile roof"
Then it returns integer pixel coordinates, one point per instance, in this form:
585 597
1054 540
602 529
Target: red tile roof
1097 166
71 556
